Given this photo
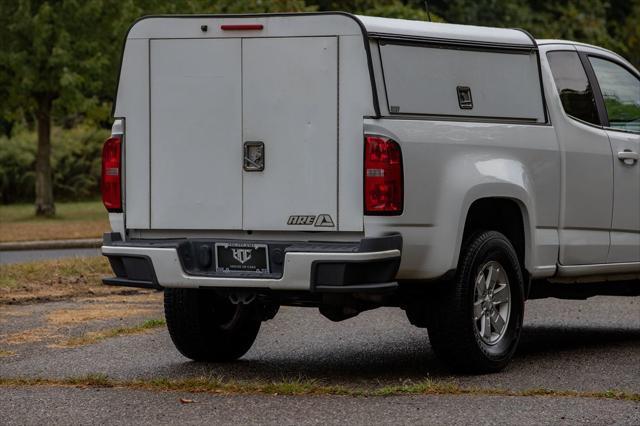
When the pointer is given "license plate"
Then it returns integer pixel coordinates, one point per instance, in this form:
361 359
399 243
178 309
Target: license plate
239 257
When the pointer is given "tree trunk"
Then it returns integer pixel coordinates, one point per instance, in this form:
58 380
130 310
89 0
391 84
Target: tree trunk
44 181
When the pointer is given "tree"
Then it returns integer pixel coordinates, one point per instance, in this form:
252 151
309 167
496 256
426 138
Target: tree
630 35
612 24
495 13
399 10
55 58
579 20
387 8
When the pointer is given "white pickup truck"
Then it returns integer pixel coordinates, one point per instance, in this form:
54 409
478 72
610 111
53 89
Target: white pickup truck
349 162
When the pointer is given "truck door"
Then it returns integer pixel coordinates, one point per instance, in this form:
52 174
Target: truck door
196 129
620 91
290 111
587 169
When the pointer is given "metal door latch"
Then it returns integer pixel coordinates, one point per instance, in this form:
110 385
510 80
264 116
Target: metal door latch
253 156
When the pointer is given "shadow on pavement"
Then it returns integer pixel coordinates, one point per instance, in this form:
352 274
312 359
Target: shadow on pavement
549 347
550 339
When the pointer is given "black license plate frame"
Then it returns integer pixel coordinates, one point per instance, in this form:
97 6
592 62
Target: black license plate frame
242 257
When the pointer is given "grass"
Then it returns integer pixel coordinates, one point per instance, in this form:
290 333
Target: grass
97 336
6 353
85 219
296 387
53 279
77 271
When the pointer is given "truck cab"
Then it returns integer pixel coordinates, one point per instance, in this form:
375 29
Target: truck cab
347 162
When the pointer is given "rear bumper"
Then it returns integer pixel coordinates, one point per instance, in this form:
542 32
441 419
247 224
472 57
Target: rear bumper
369 265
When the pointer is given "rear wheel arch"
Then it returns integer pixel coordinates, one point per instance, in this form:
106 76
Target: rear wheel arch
507 215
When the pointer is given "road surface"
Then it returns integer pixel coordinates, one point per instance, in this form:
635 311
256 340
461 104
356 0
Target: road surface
585 346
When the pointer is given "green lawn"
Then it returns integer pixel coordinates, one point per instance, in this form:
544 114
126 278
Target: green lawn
84 219
79 210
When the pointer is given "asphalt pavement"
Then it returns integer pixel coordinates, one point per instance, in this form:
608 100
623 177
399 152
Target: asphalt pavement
62 406
586 346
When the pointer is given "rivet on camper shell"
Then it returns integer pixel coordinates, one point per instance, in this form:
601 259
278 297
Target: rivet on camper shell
204 28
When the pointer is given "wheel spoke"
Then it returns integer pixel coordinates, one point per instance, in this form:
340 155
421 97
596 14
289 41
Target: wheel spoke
486 326
490 280
492 277
481 285
497 321
477 310
500 295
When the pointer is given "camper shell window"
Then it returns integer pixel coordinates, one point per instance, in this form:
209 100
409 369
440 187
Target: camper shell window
459 81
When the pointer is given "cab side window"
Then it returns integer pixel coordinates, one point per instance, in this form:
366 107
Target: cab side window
573 86
621 92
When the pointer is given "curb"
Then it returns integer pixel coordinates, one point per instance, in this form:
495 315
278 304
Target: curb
52 244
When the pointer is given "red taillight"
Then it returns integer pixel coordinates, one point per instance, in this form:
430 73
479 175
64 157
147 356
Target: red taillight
241 27
383 185
111 174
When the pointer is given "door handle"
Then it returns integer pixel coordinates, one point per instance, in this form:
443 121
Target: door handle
628 157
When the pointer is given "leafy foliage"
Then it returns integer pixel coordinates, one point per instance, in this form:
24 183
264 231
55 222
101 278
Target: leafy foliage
56 49
629 35
623 115
17 158
75 162
614 24
397 9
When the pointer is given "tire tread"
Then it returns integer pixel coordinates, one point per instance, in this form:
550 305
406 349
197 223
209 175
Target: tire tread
195 334
450 330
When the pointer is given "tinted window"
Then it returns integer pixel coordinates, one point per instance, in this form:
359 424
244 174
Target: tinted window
452 82
621 92
573 86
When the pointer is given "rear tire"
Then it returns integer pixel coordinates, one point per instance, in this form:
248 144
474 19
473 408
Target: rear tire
207 327
475 322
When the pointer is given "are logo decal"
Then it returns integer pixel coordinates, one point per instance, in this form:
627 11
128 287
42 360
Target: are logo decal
321 220
324 220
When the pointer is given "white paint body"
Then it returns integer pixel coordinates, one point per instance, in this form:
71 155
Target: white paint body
189 99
